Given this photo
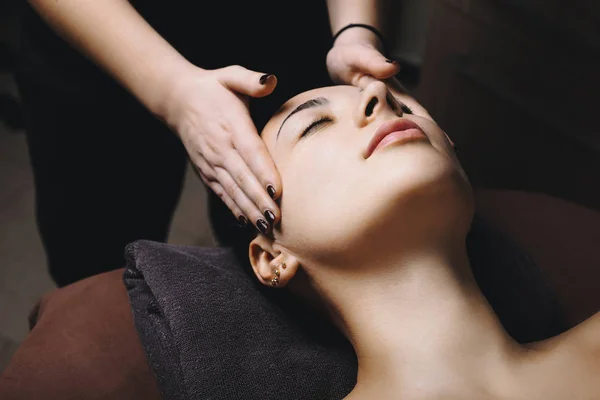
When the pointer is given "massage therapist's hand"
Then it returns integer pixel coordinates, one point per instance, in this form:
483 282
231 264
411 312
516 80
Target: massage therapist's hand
208 109
356 58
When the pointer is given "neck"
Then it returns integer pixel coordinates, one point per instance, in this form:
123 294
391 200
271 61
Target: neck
421 328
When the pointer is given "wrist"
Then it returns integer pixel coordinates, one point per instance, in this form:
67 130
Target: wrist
359 34
166 87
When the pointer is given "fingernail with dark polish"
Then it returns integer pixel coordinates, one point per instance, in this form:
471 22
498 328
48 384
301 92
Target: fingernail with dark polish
263 79
270 216
262 226
271 191
243 221
390 61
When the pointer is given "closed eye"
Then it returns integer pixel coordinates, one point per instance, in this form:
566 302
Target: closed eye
315 125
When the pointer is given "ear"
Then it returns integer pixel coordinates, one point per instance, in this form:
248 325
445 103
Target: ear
271 266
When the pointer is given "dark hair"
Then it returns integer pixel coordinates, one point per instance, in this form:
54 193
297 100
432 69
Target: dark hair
516 289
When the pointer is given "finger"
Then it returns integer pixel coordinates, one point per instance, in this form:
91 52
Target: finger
203 168
247 82
370 61
208 176
247 143
233 207
255 155
363 80
203 177
392 85
243 202
247 181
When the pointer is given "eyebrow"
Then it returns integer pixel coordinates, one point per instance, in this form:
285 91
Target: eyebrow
312 103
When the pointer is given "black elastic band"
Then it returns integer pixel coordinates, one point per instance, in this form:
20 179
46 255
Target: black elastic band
364 26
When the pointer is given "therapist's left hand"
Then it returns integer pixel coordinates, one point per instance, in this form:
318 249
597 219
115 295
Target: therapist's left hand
356 58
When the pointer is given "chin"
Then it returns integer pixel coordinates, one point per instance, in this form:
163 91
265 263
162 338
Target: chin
426 185
418 168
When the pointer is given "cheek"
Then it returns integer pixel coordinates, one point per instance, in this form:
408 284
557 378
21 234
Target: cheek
333 199
437 136
319 199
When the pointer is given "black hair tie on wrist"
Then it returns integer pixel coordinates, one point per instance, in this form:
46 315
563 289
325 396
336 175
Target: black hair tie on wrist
364 26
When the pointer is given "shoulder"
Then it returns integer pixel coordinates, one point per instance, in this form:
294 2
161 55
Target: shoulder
572 359
584 338
583 335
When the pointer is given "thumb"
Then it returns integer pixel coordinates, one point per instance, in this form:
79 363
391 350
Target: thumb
247 82
370 61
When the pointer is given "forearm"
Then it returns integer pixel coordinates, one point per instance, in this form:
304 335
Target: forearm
369 12
114 36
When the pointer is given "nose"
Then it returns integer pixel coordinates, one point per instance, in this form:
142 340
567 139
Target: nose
372 102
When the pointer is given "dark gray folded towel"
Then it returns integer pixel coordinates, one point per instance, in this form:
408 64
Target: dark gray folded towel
210 331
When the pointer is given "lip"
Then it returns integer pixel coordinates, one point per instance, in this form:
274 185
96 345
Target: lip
403 130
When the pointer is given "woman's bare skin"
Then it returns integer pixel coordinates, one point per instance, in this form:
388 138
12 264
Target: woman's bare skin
380 238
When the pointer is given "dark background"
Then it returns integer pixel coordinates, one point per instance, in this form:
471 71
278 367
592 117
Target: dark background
517 85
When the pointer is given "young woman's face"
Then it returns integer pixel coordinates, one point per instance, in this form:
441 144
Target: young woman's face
340 193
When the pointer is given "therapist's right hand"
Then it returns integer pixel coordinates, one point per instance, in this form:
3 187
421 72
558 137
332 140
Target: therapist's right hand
208 109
